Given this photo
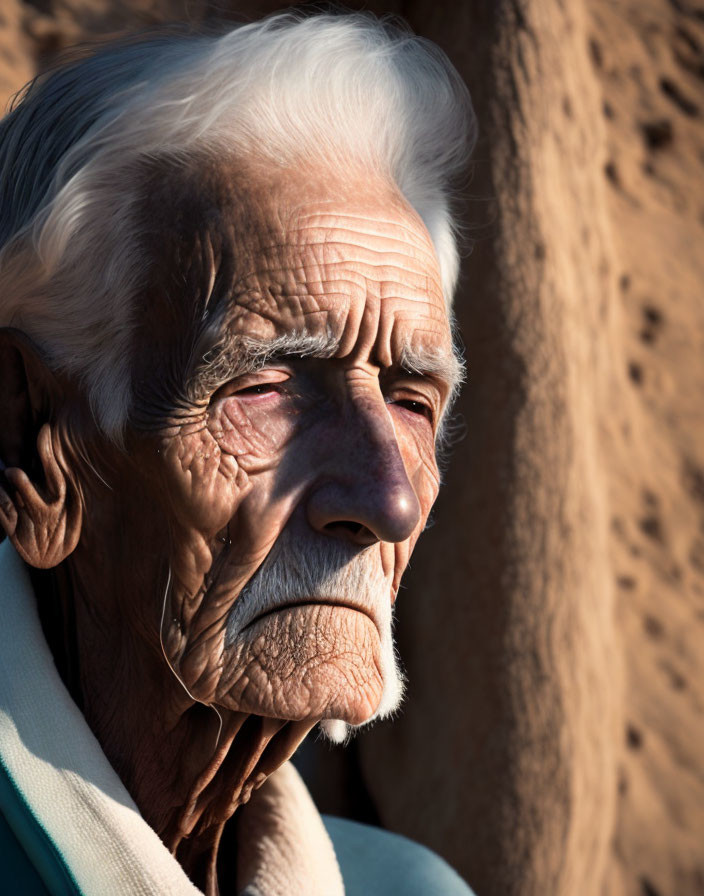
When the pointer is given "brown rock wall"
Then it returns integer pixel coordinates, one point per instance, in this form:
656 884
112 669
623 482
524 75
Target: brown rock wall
527 697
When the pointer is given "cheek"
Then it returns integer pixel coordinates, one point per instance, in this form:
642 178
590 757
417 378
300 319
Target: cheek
255 438
209 466
417 448
254 432
201 484
418 452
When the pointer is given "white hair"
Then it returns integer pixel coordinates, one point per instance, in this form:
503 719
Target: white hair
345 90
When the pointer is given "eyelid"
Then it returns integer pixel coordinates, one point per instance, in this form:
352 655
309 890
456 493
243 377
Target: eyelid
397 396
426 387
244 381
265 375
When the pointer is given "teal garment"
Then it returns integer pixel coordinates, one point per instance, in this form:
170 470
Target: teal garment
375 862
18 874
28 857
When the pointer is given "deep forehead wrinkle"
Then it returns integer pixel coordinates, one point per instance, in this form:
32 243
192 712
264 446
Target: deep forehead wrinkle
270 253
255 223
378 227
278 218
296 281
368 252
335 237
394 234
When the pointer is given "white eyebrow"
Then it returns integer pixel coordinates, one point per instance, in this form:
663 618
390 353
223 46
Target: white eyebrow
444 364
241 355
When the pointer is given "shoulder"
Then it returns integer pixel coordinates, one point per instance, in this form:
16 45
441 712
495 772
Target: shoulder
375 862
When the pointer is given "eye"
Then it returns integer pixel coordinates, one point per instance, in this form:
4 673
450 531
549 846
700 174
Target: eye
252 386
415 407
258 389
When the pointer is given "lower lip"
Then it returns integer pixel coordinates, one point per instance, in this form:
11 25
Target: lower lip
311 603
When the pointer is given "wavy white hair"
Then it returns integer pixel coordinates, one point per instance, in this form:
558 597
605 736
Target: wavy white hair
323 89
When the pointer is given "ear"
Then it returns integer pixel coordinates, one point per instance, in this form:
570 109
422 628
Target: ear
40 507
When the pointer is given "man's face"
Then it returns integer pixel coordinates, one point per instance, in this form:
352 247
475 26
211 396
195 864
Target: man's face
296 477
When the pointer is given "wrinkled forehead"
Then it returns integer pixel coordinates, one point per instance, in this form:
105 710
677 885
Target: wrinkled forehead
211 211
272 251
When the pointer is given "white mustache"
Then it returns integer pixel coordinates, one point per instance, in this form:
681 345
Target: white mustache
295 573
334 572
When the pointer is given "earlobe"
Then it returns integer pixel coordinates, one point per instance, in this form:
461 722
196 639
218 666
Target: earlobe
43 523
40 508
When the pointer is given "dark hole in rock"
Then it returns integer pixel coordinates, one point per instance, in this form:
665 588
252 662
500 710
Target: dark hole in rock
611 171
651 526
595 52
653 626
677 681
634 739
657 133
628 583
674 93
635 372
652 322
647 888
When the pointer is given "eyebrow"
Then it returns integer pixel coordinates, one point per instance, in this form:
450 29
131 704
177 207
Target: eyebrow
447 366
242 355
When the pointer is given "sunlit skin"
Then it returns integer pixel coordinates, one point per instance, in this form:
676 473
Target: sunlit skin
168 531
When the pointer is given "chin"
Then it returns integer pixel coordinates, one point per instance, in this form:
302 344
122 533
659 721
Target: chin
313 662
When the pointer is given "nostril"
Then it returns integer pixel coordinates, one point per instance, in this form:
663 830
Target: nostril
344 524
350 529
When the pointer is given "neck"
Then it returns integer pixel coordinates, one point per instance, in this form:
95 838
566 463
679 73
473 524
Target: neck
188 766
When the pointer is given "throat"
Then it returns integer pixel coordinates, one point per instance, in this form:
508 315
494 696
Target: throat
249 748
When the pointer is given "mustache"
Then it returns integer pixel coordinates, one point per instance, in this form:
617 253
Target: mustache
297 571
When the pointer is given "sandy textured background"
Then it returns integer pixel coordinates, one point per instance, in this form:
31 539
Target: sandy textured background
553 621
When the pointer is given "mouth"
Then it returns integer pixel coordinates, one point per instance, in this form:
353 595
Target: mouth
307 602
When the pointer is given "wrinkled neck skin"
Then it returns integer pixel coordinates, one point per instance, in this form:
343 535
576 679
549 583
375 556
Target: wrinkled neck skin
187 765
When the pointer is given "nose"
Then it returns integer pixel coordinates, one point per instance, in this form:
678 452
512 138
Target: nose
363 493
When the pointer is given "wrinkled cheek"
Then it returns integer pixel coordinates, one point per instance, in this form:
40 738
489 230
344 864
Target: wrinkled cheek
198 486
426 482
418 455
254 434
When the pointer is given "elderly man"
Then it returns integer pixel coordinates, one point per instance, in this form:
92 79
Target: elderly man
226 356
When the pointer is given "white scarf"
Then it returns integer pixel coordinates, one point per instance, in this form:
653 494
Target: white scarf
59 771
